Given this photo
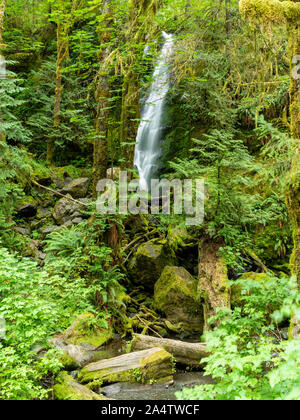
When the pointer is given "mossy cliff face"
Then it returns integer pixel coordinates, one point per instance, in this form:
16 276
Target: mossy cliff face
148 366
176 296
81 332
67 389
149 262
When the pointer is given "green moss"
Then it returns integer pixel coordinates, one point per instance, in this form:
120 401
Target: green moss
157 367
68 363
84 331
149 262
270 11
67 389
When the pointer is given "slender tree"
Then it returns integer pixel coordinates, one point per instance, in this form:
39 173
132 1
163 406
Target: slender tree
102 96
65 18
277 13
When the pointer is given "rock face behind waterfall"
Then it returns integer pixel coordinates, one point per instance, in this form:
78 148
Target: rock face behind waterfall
150 133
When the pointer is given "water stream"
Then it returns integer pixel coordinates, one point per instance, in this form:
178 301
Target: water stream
149 138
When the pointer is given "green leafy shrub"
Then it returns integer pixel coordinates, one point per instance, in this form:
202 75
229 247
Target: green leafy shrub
249 360
35 306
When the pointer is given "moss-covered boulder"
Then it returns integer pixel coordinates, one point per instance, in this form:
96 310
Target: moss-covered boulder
77 188
147 366
148 263
175 295
236 288
68 389
84 332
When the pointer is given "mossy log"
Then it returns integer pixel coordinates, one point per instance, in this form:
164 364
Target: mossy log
153 365
189 354
68 389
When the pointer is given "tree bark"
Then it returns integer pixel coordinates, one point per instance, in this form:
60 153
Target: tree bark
288 12
189 354
213 280
102 96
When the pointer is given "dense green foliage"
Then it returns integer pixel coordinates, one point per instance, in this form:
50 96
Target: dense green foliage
248 360
75 74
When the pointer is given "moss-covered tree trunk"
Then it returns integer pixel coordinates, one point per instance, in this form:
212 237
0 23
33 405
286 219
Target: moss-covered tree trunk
278 13
213 280
293 192
2 46
102 97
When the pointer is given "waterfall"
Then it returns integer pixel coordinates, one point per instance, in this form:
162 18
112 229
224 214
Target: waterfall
149 137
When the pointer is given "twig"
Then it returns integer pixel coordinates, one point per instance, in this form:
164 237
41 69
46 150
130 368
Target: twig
155 332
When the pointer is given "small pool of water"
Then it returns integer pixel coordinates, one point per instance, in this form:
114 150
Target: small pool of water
156 392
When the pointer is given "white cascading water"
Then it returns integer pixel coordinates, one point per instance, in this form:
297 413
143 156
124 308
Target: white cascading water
149 137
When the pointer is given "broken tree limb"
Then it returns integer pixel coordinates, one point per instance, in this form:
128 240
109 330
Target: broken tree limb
189 354
59 194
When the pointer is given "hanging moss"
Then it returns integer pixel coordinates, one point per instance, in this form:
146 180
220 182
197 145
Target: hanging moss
270 11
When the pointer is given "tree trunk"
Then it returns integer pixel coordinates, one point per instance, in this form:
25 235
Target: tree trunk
189 354
293 192
102 96
228 18
213 280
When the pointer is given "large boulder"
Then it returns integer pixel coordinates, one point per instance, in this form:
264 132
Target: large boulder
66 210
68 389
148 263
175 295
77 188
147 366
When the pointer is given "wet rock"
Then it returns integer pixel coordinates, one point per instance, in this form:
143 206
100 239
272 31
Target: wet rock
49 229
22 230
77 188
67 388
64 210
145 366
175 295
77 221
148 263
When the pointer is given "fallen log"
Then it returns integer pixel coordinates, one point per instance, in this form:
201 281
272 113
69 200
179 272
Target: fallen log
189 354
151 365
